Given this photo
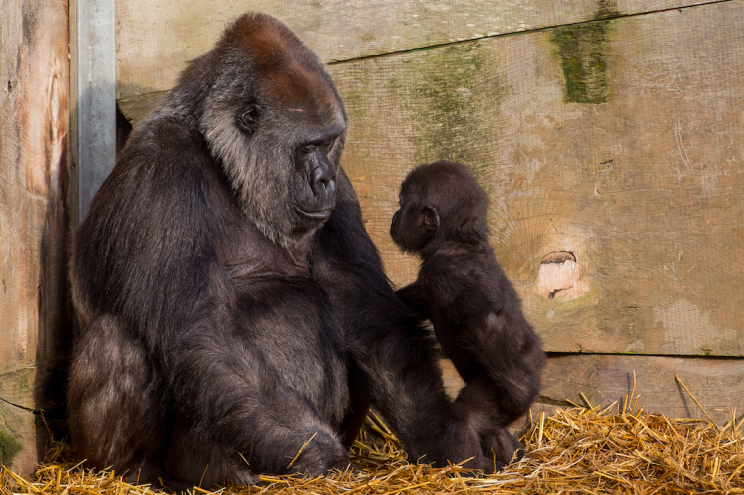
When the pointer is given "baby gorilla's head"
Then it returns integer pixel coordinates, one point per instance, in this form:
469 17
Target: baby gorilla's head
438 202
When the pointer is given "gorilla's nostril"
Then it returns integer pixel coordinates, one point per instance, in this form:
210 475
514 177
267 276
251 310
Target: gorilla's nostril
325 177
321 178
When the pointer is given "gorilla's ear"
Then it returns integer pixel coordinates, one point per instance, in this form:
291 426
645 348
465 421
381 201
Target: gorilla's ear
431 218
248 118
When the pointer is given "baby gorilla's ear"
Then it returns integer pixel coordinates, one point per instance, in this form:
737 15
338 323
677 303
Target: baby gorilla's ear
431 218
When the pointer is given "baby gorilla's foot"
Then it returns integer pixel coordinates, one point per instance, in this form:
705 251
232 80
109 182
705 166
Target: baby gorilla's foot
503 448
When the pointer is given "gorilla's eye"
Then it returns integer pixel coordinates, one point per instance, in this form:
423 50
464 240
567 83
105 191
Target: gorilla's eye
309 148
249 118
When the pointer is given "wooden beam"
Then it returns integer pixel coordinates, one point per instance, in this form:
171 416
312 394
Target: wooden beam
649 381
34 219
155 38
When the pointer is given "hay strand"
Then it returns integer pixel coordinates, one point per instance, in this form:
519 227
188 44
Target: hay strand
693 398
299 451
575 450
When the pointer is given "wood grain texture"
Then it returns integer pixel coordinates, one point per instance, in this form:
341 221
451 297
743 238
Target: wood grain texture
716 384
34 317
616 141
637 173
156 38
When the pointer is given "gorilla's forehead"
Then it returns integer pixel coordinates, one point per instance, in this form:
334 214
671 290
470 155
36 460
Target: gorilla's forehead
302 93
289 74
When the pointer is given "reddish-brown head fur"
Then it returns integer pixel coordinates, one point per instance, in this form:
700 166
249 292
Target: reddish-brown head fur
289 73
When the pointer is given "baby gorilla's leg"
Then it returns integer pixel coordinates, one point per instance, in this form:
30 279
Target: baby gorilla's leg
478 402
501 446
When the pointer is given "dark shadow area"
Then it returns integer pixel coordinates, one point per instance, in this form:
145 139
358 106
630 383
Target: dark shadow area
54 344
123 130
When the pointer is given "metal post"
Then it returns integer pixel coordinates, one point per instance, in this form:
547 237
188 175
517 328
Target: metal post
94 84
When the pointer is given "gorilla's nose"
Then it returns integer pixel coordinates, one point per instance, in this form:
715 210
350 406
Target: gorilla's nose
323 179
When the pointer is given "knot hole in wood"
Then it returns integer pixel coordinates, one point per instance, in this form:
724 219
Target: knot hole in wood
559 275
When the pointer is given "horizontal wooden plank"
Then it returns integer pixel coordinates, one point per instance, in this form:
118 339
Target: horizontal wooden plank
618 142
716 383
156 38
18 439
17 387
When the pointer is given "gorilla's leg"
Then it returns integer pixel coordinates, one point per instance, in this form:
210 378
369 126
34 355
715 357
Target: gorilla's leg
238 415
513 359
478 404
114 401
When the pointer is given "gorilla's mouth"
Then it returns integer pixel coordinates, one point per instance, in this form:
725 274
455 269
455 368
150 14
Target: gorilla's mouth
314 215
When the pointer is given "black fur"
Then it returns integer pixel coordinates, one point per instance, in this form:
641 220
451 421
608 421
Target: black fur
474 309
226 318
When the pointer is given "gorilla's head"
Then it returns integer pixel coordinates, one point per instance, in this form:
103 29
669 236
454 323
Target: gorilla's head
441 201
274 120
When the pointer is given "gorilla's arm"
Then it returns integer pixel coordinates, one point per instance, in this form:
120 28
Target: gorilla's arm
237 399
410 295
391 355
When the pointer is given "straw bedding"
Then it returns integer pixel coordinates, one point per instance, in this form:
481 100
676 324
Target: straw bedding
619 449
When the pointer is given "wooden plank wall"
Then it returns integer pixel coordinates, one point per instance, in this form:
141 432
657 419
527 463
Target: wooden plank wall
607 131
34 218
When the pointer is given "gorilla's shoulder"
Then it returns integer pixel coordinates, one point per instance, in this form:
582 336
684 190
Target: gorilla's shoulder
153 208
164 182
167 144
165 163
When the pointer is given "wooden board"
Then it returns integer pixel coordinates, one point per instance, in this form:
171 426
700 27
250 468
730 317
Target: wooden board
717 384
34 317
156 38
617 141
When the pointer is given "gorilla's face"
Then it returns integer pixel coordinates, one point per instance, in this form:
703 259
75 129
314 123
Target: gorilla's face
314 183
276 123
416 222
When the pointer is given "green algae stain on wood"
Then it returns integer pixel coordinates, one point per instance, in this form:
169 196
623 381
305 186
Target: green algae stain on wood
583 52
458 90
606 9
9 447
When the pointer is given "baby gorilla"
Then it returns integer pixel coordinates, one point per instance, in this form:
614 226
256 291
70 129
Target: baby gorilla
474 309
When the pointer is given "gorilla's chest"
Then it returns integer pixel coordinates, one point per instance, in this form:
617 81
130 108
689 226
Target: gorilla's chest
284 318
287 323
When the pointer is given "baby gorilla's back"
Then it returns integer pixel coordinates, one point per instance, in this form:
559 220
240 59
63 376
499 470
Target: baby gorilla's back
473 306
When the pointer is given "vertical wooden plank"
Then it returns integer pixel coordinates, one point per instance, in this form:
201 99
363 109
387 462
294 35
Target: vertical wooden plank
34 217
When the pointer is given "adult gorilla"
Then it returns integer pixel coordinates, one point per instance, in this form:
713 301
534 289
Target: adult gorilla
232 306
